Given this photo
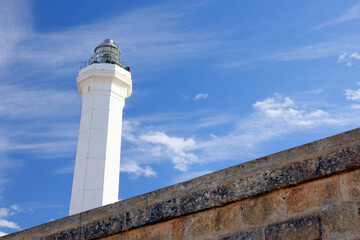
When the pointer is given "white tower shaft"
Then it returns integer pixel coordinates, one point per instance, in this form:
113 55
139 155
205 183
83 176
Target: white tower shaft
104 88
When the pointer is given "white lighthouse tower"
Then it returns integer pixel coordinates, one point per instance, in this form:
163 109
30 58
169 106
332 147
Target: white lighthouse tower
103 85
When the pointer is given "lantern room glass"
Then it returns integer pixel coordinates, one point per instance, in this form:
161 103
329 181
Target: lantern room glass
107 52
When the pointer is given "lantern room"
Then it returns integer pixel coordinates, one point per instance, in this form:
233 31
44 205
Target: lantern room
107 52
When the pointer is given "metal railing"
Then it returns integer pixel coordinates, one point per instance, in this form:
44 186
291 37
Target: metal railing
93 59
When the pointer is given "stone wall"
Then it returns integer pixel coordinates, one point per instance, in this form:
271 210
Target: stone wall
308 192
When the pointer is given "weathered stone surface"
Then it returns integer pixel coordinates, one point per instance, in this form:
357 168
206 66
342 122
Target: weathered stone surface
201 225
178 227
250 235
283 170
350 186
338 220
155 232
74 233
122 236
215 220
228 217
354 237
255 211
303 228
149 214
311 195
357 214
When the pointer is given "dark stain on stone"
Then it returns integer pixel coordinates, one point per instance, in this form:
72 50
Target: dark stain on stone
250 235
307 227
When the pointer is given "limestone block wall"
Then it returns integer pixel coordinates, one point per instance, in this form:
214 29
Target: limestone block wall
308 192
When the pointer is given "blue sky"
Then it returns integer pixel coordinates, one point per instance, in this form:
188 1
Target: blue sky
215 84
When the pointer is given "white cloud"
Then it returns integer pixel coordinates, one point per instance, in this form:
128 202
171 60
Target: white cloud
316 91
2 234
15 207
272 117
283 109
136 171
348 58
201 96
176 148
4 212
9 224
7 212
148 147
353 95
355 106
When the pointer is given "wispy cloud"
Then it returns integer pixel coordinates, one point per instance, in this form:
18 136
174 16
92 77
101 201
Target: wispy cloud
348 58
201 96
136 171
15 25
272 117
6 213
317 91
318 50
219 119
353 95
40 114
64 170
9 224
36 122
147 37
284 110
186 97
176 148
355 106
351 14
23 103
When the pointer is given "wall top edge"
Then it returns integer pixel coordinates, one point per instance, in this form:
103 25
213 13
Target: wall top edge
308 162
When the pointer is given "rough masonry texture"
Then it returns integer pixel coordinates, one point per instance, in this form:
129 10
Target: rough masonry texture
308 192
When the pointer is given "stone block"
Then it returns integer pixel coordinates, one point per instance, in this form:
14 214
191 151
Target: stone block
121 236
304 228
201 225
255 211
228 217
357 214
223 219
159 231
339 220
311 195
350 186
248 235
354 237
178 226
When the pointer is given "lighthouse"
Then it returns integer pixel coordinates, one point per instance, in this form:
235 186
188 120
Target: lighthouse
103 85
